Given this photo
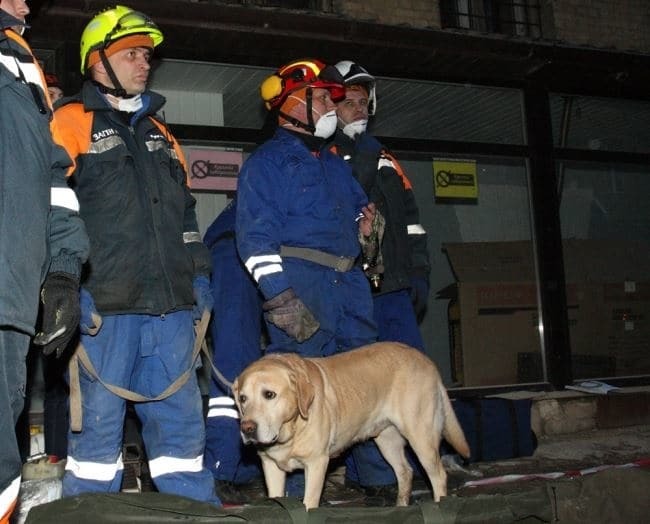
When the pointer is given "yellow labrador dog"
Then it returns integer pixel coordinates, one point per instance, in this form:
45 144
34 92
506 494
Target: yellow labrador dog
299 412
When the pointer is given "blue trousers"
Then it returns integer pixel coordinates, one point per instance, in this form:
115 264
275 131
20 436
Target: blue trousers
396 321
145 354
236 329
343 305
341 302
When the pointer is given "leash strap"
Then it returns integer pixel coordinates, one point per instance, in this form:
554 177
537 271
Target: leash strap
80 355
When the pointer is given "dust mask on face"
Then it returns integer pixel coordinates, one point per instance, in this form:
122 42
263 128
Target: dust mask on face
326 125
128 105
355 128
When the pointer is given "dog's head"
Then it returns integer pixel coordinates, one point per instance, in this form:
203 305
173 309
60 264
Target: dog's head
271 394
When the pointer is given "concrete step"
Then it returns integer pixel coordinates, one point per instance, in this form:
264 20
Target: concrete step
560 412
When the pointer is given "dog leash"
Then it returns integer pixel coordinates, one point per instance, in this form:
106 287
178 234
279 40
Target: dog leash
80 355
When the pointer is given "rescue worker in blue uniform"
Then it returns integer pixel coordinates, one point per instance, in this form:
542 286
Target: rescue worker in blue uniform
237 331
300 219
148 271
43 242
299 214
401 284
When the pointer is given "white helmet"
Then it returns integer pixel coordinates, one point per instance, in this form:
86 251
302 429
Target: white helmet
354 74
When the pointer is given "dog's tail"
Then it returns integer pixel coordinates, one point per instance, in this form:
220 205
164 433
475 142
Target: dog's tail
451 429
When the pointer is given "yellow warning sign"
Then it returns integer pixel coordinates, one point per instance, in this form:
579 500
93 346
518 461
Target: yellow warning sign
455 179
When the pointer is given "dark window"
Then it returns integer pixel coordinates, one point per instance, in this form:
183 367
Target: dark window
510 17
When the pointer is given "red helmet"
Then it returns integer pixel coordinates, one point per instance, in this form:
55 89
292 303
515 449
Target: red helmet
296 75
52 81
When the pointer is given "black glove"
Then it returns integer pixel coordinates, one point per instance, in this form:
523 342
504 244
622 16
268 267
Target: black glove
60 313
288 312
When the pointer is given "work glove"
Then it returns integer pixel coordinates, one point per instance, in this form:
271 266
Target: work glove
203 298
90 320
419 295
60 313
289 313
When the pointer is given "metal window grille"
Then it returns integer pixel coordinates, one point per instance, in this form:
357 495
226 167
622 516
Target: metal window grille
510 17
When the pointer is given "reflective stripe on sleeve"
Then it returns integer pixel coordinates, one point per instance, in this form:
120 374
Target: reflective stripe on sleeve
384 162
415 229
94 470
261 259
266 270
263 265
166 465
64 197
191 236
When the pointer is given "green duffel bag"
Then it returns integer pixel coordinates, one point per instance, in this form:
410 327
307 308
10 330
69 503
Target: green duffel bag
159 508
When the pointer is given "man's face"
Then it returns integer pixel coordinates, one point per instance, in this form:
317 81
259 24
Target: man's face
321 102
353 108
131 66
17 9
55 93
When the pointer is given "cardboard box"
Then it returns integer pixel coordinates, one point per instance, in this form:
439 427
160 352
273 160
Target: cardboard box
497 319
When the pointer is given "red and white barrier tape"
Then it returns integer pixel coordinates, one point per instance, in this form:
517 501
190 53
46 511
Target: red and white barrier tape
641 463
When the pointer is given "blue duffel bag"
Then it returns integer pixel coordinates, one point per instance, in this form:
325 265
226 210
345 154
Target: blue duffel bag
496 428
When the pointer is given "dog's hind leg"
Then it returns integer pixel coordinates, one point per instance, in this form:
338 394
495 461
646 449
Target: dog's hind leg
391 444
426 443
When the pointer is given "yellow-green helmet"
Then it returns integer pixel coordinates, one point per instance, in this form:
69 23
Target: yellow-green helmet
113 24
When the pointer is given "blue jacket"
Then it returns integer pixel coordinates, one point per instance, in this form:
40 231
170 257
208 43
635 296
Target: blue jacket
288 195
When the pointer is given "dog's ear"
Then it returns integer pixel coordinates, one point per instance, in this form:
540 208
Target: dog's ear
235 391
304 389
305 395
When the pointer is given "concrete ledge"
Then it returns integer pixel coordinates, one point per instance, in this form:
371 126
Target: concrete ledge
559 412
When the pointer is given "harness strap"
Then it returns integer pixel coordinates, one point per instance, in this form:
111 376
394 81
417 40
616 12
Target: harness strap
80 355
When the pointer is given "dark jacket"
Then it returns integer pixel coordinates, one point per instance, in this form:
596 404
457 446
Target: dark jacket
404 245
135 201
40 229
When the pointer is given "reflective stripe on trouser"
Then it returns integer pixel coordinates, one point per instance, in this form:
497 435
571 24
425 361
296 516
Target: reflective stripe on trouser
13 351
145 354
396 321
236 329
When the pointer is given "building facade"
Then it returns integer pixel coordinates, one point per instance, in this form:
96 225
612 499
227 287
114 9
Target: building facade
522 124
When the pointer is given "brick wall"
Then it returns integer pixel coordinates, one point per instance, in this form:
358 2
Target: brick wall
619 24
413 13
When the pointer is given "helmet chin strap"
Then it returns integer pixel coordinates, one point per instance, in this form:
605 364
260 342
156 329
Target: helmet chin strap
309 126
117 90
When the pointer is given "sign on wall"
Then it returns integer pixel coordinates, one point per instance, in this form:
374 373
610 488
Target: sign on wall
455 180
213 169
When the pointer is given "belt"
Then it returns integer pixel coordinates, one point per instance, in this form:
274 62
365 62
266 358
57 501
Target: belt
341 264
